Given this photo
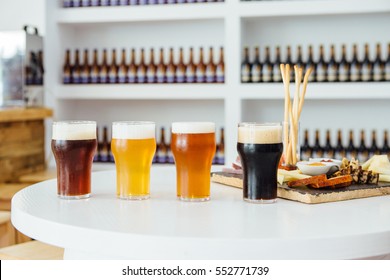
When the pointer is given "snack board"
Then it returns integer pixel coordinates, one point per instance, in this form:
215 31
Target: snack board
310 195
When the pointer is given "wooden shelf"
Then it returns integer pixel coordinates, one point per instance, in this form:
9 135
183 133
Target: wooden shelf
24 114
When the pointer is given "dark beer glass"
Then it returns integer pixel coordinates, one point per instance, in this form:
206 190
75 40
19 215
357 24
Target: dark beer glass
260 148
74 145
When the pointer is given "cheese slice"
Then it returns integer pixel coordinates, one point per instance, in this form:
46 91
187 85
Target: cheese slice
379 164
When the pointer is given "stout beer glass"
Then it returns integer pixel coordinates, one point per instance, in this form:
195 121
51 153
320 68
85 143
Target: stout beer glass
260 148
74 145
193 147
133 145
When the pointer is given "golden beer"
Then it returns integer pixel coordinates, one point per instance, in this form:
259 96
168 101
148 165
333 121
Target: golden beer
193 146
133 145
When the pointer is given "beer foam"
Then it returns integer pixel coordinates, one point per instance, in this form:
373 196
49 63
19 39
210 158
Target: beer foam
133 130
193 127
74 130
260 133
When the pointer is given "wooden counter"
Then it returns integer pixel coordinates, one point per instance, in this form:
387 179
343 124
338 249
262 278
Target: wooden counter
22 141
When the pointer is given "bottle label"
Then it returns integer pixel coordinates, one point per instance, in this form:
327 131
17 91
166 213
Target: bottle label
161 157
114 2
256 74
339 155
351 155
76 78
190 75
151 77
220 75
180 76
170 77
328 154
245 74
152 2
143 2
84 3
363 156
160 76
305 155
387 71
163 1
377 73
94 3
121 77
267 74
65 79
103 78
171 1
317 154
76 3
332 74
66 3
355 73
276 74
210 76
84 78
366 72
112 78
343 74
94 78
200 76
131 78
105 3
320 73
141 76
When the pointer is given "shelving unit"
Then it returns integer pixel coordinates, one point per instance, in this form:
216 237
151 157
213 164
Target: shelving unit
233 25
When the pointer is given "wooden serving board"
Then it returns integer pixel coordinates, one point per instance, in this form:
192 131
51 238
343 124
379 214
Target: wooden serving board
310 195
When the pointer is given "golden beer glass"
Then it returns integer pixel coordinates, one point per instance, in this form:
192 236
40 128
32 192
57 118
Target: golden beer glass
133 145
193 147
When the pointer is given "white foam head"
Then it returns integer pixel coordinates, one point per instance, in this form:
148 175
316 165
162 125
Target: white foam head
74 130
133 130
256 133
193 127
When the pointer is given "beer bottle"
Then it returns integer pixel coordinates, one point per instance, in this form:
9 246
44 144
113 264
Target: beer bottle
103 77
210 68
366 65
378 67
181 68
76 3
85 3
310 64
306 149
385 148
351 152
67 69
141 69
95 68
276 74
40 68
171 68
95 3
132 70
317 151
191 68
104 2
339 150
134 2
162 151
66 3
170 158
266 76
220 69
290 61
114 3
387 64
344 66
161 68
113 70
126 2
221 148
332 66
85 69
76 69
246 67
356 66
299 61
256 67
328 149
374 150
322 67
201 68
362 150
122 69
152 69
105 147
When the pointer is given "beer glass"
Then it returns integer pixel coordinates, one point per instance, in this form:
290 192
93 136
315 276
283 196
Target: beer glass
193 147
74 145
260 148
133 145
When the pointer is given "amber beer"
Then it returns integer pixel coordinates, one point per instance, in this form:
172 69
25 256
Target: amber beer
74 145
193 147
133 145
260 148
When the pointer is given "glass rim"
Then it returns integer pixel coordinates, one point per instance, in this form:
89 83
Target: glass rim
261 124
128 123
72 122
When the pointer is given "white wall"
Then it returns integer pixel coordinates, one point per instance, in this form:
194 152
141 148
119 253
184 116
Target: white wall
14 14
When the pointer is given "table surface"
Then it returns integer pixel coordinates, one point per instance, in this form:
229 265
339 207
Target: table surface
226 227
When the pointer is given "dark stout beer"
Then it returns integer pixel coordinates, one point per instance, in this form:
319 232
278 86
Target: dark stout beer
74 145
260 148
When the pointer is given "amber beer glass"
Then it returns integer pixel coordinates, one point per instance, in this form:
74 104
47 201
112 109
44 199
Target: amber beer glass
133 145
74 145
193 147
260 148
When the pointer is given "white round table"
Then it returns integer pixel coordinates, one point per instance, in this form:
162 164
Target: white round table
226 227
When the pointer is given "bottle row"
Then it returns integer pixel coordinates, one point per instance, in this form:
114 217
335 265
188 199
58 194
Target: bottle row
163 151
140 71
105 3
34 68
332 69
362 152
